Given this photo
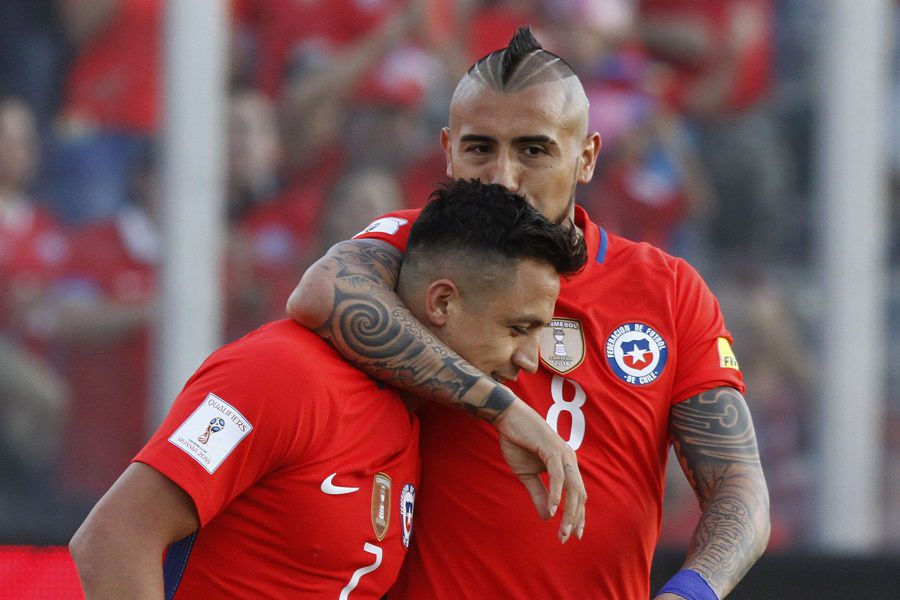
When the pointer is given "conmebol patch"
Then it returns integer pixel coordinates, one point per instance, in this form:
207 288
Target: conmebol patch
637 353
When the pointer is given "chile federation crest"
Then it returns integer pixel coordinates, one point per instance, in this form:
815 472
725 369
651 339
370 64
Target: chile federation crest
407 506
636 353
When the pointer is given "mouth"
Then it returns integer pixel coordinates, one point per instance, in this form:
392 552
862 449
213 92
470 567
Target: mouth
504 379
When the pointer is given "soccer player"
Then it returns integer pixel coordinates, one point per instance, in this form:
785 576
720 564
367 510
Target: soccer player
282 471
636 357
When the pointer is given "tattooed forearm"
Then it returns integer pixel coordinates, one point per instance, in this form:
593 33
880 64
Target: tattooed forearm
733 530
372 328
715 443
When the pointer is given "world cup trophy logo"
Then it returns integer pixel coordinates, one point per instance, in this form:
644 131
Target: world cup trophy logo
559 348
216 424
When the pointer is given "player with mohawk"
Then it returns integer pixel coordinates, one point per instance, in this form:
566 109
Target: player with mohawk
637 356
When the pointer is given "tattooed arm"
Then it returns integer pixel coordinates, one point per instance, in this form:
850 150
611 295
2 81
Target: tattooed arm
716 446
348 298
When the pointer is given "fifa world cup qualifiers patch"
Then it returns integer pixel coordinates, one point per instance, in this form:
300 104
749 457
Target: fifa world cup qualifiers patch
727 359
562 345
381 504
388 225
212 432
637 353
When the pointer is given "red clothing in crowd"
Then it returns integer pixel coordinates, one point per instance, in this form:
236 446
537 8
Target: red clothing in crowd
33 253
752 66
114 80
284 27
114 263
278 239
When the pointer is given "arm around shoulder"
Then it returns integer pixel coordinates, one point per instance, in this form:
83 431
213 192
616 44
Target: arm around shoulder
118 549
348 298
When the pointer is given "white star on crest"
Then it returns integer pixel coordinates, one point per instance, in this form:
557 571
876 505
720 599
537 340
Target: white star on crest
636 354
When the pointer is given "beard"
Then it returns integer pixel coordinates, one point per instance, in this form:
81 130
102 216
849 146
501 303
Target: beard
566 216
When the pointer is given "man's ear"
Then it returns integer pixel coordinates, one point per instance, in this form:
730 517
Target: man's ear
589 151
441 295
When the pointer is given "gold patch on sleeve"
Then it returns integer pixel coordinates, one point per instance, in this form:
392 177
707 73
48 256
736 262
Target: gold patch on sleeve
727 359
562 345
381 505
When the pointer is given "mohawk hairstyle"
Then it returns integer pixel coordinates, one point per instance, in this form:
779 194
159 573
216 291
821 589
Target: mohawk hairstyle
521 64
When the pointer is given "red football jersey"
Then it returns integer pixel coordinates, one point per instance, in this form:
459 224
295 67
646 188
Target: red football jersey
633 333
303 471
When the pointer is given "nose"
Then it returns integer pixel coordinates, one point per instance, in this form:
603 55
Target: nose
526 355
505 172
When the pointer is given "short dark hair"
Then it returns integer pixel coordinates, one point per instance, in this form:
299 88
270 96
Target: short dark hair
521 64
487 221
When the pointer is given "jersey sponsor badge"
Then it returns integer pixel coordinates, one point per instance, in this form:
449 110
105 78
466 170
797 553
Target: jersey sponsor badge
381 505
407 505
727 360
388 225
637 353
562 345
212 432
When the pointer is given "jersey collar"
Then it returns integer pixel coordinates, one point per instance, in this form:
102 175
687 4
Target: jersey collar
595 237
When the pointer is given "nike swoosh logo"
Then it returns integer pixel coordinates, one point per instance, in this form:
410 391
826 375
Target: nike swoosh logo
336 490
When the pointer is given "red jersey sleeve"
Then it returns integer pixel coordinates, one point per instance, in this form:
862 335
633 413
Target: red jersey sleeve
226 429
392 228
704 344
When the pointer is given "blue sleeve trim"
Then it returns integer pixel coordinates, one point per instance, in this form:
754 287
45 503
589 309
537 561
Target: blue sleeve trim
689 584
176 562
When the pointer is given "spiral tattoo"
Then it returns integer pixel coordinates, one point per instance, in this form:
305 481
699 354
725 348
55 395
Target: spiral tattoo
373 330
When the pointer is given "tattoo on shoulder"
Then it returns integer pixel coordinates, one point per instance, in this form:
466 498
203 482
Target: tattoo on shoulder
715 425
361 264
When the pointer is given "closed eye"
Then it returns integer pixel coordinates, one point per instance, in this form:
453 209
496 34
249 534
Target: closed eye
478 149
536 145
477 144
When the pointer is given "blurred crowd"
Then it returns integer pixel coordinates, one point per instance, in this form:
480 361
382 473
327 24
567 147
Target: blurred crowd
335 107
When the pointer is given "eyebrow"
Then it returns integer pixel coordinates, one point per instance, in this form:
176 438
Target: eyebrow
524 139
529 321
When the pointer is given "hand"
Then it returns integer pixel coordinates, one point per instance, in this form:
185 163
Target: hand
668 596
530 447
